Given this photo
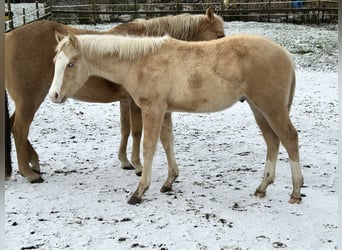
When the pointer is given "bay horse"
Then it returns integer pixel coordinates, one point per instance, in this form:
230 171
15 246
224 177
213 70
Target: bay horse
165 75
29 51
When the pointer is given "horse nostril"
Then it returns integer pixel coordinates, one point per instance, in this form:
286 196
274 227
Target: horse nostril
56 95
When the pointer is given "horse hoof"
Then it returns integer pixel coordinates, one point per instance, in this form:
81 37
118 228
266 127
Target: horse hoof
165 189
259 193
39 180
138 173
134 200
294 200
128 167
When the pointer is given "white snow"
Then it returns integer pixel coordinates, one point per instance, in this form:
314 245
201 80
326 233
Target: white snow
83 202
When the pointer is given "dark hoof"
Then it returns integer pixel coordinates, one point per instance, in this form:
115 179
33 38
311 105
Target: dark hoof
129 167
39 180
165 189
295 200
138 173
134 200
8 176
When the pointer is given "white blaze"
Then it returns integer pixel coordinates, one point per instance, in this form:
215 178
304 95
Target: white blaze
60 65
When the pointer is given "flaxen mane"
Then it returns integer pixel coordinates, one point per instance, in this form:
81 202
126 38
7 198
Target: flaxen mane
180 27
126 47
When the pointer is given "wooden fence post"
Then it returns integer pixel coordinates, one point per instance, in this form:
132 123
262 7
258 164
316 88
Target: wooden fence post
24 16
269 11
93 8
37 10
222 7
135 9
10 16
318 11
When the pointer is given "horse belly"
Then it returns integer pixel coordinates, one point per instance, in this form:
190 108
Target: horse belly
206 100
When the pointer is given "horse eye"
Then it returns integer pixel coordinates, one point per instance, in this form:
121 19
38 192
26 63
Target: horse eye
70 64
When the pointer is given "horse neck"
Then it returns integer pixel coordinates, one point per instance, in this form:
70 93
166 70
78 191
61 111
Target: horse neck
109 67
159 27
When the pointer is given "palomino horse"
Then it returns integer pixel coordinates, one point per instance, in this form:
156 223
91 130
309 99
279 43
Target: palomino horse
29 71
164 75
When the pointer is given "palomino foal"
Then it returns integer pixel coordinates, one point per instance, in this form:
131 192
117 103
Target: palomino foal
29 72
164 75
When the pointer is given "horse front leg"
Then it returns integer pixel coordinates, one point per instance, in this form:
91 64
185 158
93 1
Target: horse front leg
152 117
136 125
167 138
125 129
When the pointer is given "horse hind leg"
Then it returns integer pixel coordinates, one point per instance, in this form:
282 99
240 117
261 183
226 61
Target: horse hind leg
272 143
286 132
33 158
25 152
167 138
125 127
136 125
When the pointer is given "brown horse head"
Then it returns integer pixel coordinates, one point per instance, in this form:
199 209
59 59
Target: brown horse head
211 27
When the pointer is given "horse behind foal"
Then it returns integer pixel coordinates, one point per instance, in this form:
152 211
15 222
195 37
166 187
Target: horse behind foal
164 75
29 72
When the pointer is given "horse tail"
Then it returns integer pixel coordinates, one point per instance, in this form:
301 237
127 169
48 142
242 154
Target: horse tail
293 80
292 90
8 146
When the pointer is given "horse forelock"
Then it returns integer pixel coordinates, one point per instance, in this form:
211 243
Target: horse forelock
181 27
126 47
60 47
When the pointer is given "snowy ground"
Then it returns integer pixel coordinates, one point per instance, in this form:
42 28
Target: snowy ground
83 202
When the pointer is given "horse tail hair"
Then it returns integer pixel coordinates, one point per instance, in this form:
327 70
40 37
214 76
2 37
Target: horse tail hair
8 146
293 80
292 90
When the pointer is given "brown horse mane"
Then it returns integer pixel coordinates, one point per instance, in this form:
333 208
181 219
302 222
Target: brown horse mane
182 26
126 47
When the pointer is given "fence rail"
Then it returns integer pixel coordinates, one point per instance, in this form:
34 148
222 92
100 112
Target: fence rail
306 11
100 11
19 14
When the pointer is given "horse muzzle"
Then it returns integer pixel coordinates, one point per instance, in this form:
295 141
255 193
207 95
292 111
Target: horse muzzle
56 97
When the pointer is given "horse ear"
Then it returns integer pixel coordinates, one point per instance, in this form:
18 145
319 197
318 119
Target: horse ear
73 40
210 14
58 36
